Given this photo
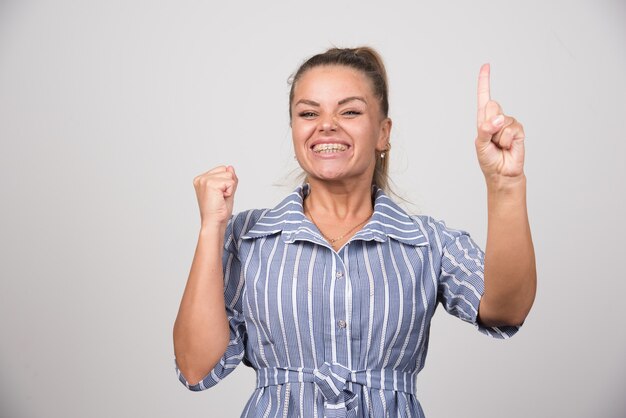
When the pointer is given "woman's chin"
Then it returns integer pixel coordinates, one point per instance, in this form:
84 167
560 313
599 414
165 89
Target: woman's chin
332 176
327 176
337 172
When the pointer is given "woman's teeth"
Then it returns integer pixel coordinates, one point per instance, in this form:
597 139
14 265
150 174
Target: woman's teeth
329 148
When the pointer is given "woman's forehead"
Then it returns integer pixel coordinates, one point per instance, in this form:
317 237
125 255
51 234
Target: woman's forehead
333 80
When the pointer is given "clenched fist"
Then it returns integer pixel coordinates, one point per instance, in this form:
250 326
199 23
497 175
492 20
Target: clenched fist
215 191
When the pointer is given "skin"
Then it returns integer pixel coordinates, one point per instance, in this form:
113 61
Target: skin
201 332
334 104
510 273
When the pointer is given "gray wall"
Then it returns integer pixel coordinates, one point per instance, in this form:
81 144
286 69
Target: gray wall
109 109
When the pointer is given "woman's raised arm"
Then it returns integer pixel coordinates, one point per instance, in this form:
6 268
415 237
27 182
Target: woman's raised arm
510 274
201 332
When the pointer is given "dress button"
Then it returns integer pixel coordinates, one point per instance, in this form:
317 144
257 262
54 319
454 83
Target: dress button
339 275
341 323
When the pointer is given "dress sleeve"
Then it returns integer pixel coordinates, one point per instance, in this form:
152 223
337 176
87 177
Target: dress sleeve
233 289
461 280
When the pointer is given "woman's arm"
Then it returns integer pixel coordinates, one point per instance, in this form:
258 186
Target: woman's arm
510 274
201 332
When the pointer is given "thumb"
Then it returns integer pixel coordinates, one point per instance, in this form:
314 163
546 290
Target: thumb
489 128
230 190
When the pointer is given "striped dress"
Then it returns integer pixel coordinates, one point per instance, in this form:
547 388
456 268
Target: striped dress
340 333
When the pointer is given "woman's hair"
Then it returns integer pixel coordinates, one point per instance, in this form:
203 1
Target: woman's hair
367 61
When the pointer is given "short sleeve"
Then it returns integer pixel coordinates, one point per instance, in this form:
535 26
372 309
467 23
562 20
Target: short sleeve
461 280
233 289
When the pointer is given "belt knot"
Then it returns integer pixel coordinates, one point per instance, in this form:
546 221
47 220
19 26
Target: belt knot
331 379
335 383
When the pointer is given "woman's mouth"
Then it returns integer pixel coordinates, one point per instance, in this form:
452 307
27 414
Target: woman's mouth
329 148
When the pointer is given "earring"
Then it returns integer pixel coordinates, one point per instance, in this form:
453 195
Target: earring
387 148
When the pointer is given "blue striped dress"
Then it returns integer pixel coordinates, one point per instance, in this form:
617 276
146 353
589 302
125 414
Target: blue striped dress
340 333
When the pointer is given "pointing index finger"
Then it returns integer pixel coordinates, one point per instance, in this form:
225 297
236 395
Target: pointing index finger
484 94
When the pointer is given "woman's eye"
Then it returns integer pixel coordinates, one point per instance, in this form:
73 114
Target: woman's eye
352 113
307 115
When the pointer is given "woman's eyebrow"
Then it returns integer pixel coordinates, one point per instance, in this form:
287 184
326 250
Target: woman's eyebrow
340 102
349 99
306 101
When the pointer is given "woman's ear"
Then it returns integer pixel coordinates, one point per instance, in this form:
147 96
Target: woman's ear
385 134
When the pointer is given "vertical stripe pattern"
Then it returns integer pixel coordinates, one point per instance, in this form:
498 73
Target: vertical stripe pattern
341 333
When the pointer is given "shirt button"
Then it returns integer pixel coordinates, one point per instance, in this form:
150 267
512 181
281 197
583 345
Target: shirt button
341 323
339 274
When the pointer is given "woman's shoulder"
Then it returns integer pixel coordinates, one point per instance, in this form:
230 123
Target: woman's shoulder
426 228
243 221
436 230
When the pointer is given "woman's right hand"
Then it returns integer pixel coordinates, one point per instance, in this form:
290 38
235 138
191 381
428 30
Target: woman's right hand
201 332
215 191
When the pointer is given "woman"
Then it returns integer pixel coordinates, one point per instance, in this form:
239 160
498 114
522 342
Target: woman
329 295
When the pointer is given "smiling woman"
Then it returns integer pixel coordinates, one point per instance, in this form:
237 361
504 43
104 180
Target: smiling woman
369 68
339 130
330 294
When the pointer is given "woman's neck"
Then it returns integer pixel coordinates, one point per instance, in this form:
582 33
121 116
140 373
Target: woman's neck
339 202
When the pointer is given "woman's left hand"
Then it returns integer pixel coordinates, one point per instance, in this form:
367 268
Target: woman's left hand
500 138
510 273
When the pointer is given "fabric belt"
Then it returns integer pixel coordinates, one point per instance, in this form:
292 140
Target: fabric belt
335 382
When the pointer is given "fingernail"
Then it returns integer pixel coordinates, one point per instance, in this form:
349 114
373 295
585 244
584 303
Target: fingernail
498 120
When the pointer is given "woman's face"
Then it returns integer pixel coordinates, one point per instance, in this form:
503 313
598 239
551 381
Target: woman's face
337 125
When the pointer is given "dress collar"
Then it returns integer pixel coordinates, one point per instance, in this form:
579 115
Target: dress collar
388 221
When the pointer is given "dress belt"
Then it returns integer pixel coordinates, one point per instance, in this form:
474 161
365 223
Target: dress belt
335 383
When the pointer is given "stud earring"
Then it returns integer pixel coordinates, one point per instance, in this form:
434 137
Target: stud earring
387 148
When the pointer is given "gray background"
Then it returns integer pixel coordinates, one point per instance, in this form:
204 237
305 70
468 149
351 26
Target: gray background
109 109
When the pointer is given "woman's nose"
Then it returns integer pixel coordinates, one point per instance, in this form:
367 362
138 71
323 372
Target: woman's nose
328 124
